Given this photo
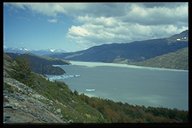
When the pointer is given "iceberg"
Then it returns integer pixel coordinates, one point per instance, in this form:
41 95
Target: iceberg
90 90
76 75
57 77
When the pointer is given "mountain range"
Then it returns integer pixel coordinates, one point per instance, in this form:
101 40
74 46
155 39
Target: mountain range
133 52
144 53
30 98
23 50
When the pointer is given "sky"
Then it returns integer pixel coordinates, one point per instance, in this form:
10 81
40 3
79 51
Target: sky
78 26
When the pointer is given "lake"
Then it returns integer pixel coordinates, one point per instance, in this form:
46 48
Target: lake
135 85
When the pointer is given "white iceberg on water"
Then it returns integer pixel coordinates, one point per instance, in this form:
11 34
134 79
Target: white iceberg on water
90 90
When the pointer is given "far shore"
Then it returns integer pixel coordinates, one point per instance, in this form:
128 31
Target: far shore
95 64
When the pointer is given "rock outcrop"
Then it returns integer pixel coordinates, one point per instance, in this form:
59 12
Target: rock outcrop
23 105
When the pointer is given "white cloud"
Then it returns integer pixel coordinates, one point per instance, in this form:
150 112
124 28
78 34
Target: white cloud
51 9
157 15
124 10
78 31
52 20
105 21
96 32
115 22
138 23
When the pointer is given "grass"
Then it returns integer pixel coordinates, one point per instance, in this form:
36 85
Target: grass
83 109
61 95
173 60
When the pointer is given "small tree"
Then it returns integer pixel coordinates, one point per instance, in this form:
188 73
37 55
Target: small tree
76 93
22 70
23 67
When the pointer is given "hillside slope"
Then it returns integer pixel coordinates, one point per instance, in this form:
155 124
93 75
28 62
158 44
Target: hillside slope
173 60
29 98
42 65
132 52
42 101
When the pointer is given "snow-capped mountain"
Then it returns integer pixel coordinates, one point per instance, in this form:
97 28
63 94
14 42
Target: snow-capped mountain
57 50
47 51
37 52
183 36
16 50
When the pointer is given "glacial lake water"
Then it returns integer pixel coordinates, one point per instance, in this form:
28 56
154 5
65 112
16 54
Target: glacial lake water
135 85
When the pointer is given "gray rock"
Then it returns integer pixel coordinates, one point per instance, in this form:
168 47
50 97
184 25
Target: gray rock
16 105
58 110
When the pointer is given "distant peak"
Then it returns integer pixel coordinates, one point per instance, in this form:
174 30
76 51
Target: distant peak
183 36
52 50
186 31
23 49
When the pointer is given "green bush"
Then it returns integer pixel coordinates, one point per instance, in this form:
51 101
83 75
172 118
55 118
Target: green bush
22 71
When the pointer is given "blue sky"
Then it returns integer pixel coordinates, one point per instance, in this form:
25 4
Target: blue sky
34 30
78 26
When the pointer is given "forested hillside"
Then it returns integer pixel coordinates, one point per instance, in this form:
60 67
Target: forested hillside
41 65
173 60
131 52
30 98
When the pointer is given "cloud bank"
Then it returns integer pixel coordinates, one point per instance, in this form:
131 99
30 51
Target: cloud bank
99 23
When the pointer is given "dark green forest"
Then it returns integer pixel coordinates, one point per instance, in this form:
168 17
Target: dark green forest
41 65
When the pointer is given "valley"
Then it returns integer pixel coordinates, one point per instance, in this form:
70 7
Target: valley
155 53
111 63
26 97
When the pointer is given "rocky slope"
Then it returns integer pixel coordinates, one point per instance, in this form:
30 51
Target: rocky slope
35 104
23 104
34 99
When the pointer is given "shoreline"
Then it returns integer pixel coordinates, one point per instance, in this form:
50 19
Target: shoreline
97 64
